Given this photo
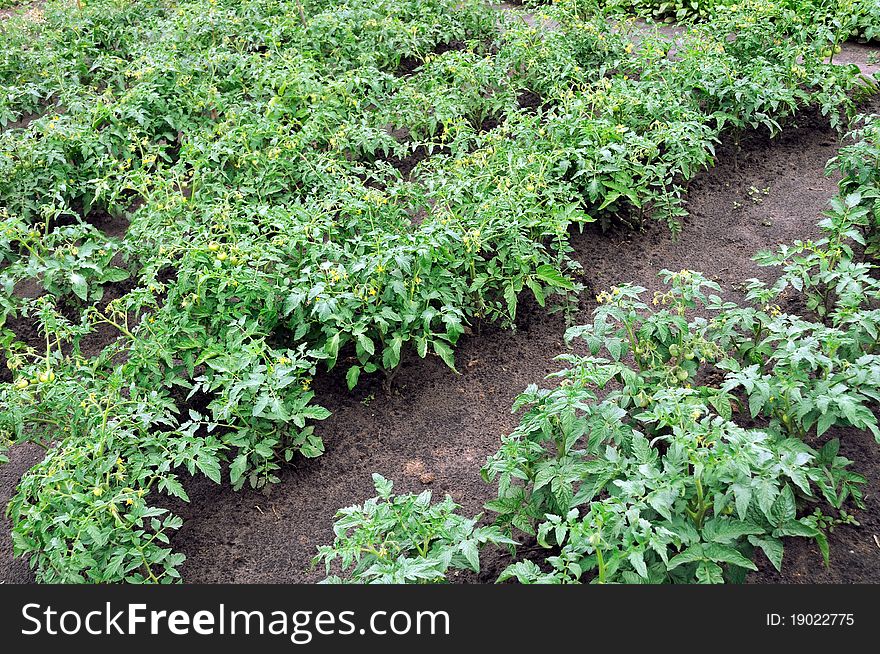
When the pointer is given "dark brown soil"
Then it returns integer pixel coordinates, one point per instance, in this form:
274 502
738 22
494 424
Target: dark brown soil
21 458
436 428
406 164
529 100
114 226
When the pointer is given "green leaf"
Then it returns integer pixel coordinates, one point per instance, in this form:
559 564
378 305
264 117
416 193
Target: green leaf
796 528
766 492
772 547
80 287
471 553
829 451
722 404
236 470
113 568
743 497
615 348
510 298
709 573
784 508
826 421
536 291
551 276
726 554
383 486
662 501
822 542
173 487
315 412
352 376
115 275
728 530
332 350
445 353
691 554
366 343
264 450
210 468
637 559
390 357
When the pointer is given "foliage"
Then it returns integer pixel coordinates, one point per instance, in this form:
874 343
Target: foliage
653 481
858 163
310 185
405 539
843 19
633 468
84 512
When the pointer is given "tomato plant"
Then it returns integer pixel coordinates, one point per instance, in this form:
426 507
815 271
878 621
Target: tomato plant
405 539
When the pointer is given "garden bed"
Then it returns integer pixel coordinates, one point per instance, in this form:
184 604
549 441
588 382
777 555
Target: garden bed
427 427
435 429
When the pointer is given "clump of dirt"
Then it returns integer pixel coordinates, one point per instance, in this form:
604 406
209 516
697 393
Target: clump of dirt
410 63
489 123
407 163
529 101
114 226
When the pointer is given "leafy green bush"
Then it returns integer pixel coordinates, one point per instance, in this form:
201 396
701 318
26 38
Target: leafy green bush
396 539
635 470
859 165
